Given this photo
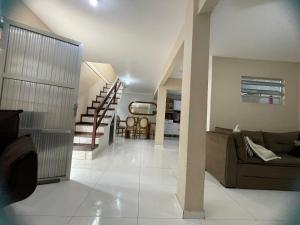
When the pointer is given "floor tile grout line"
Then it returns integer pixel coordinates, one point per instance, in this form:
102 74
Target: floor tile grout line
70 220
90 190
139 192
87 195
239 204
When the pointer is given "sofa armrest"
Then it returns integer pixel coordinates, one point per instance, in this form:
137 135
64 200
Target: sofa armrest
18 164
221 157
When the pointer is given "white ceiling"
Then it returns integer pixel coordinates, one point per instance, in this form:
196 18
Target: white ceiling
258 29
135 36
254 29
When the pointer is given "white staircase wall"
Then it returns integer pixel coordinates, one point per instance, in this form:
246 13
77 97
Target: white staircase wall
90 84
102 141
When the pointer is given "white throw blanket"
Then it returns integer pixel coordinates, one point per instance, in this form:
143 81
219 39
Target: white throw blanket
262 152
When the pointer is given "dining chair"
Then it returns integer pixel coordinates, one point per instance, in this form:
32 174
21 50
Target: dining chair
143 127
120 128
130 127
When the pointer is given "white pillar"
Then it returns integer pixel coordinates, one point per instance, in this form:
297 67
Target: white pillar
160 117
191 166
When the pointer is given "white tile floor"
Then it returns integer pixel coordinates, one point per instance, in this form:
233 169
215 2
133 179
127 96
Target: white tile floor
134 183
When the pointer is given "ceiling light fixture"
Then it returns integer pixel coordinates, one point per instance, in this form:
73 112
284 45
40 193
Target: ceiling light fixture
128 80
94 3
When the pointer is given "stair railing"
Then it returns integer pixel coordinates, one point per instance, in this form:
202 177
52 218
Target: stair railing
97 122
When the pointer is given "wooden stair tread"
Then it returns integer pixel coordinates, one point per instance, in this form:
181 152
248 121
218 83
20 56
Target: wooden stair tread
111 109
82 147
90 124
87 134
92 115
100 96
105 103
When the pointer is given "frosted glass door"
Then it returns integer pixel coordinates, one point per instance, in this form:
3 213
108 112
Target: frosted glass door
41 77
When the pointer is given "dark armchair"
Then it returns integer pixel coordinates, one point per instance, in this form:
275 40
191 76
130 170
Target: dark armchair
18 161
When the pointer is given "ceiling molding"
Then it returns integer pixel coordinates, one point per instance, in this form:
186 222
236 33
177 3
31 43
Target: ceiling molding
172 59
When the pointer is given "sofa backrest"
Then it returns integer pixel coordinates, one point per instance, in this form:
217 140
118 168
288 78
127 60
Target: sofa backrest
276 142
255 136
9 127
280 142
222 130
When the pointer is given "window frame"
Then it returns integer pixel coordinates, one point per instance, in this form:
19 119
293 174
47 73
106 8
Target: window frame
257 98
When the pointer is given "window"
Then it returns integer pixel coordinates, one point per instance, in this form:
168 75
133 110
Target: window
261 90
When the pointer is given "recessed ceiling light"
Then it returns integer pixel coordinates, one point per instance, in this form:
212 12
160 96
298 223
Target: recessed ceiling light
94 3
128 79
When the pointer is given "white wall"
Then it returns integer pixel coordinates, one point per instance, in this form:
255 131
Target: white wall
171 84
90 86
16 10
104 70
227 109
127 98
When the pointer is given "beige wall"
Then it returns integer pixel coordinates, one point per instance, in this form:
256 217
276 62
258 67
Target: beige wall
127 98
90 86
227 110
173 84
161 114
17 11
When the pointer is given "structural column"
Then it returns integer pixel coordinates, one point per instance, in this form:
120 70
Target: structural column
299 94
160 117
191 166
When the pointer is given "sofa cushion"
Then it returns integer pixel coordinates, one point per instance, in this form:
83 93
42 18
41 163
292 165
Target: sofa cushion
222 130
255 136
260 151
295 152
286 160
251 170
239 145
280 142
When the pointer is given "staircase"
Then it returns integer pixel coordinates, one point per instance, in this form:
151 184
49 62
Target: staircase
92 131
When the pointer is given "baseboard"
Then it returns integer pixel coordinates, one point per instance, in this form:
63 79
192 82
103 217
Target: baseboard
48 181
193 215
96 151
158 147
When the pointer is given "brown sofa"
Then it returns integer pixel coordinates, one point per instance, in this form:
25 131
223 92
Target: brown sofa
228 162
18 161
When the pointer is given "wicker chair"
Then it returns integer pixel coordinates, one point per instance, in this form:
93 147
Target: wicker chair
120 129
143 127
131 125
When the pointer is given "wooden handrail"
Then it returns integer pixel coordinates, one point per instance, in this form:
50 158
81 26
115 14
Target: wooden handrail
97 122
